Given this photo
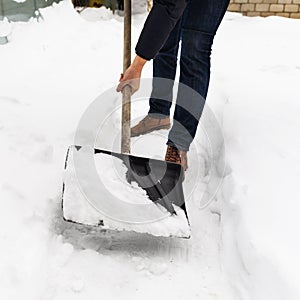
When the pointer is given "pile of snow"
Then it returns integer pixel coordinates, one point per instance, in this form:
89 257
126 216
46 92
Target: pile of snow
96 14
5 28
260 120
112 200
243 246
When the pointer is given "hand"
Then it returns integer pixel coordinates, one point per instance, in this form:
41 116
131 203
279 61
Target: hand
132 75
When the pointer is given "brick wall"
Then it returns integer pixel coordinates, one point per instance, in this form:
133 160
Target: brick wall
265 8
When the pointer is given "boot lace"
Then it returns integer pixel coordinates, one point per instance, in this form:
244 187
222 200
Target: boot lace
172 155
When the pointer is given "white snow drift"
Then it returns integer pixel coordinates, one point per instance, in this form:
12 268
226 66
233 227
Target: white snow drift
244 245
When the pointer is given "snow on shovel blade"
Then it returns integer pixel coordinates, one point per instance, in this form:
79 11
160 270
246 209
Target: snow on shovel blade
124 192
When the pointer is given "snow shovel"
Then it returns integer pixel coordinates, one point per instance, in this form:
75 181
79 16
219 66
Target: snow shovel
162 211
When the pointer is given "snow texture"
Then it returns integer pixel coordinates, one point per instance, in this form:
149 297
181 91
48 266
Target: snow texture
244 245
112 174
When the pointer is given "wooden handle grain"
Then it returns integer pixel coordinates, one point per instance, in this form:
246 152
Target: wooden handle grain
126 92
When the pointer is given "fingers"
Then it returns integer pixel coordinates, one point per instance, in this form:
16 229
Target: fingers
132 84
121 83
131 78
121 86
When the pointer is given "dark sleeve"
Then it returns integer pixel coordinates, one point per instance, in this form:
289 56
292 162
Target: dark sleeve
160 22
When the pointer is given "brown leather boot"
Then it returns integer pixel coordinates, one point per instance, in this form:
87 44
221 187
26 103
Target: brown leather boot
177 156
149 124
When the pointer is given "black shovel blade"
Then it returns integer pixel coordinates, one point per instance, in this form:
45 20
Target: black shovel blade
161 180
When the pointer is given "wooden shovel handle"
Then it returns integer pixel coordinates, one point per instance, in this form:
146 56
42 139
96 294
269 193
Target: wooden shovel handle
126 92
126 115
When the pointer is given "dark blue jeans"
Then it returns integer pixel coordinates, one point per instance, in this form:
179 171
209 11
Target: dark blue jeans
196 30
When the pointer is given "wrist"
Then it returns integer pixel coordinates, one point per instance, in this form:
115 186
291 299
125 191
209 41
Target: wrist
138 62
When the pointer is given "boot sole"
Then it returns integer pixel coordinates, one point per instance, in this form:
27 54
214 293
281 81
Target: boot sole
153 129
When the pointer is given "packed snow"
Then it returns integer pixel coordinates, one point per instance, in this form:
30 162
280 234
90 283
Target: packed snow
112 200
244 243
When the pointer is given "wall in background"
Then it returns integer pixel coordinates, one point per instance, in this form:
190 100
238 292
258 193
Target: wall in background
265 8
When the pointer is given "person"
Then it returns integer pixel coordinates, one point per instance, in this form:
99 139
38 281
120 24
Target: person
194 23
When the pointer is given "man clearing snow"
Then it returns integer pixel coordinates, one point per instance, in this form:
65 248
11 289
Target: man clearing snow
195 23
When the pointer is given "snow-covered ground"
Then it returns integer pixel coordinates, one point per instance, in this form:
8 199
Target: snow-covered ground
244 245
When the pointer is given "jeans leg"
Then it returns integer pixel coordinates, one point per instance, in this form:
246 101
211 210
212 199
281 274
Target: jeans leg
198 30
164 66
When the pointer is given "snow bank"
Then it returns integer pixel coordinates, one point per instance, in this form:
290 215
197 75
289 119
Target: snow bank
243 246
260 124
